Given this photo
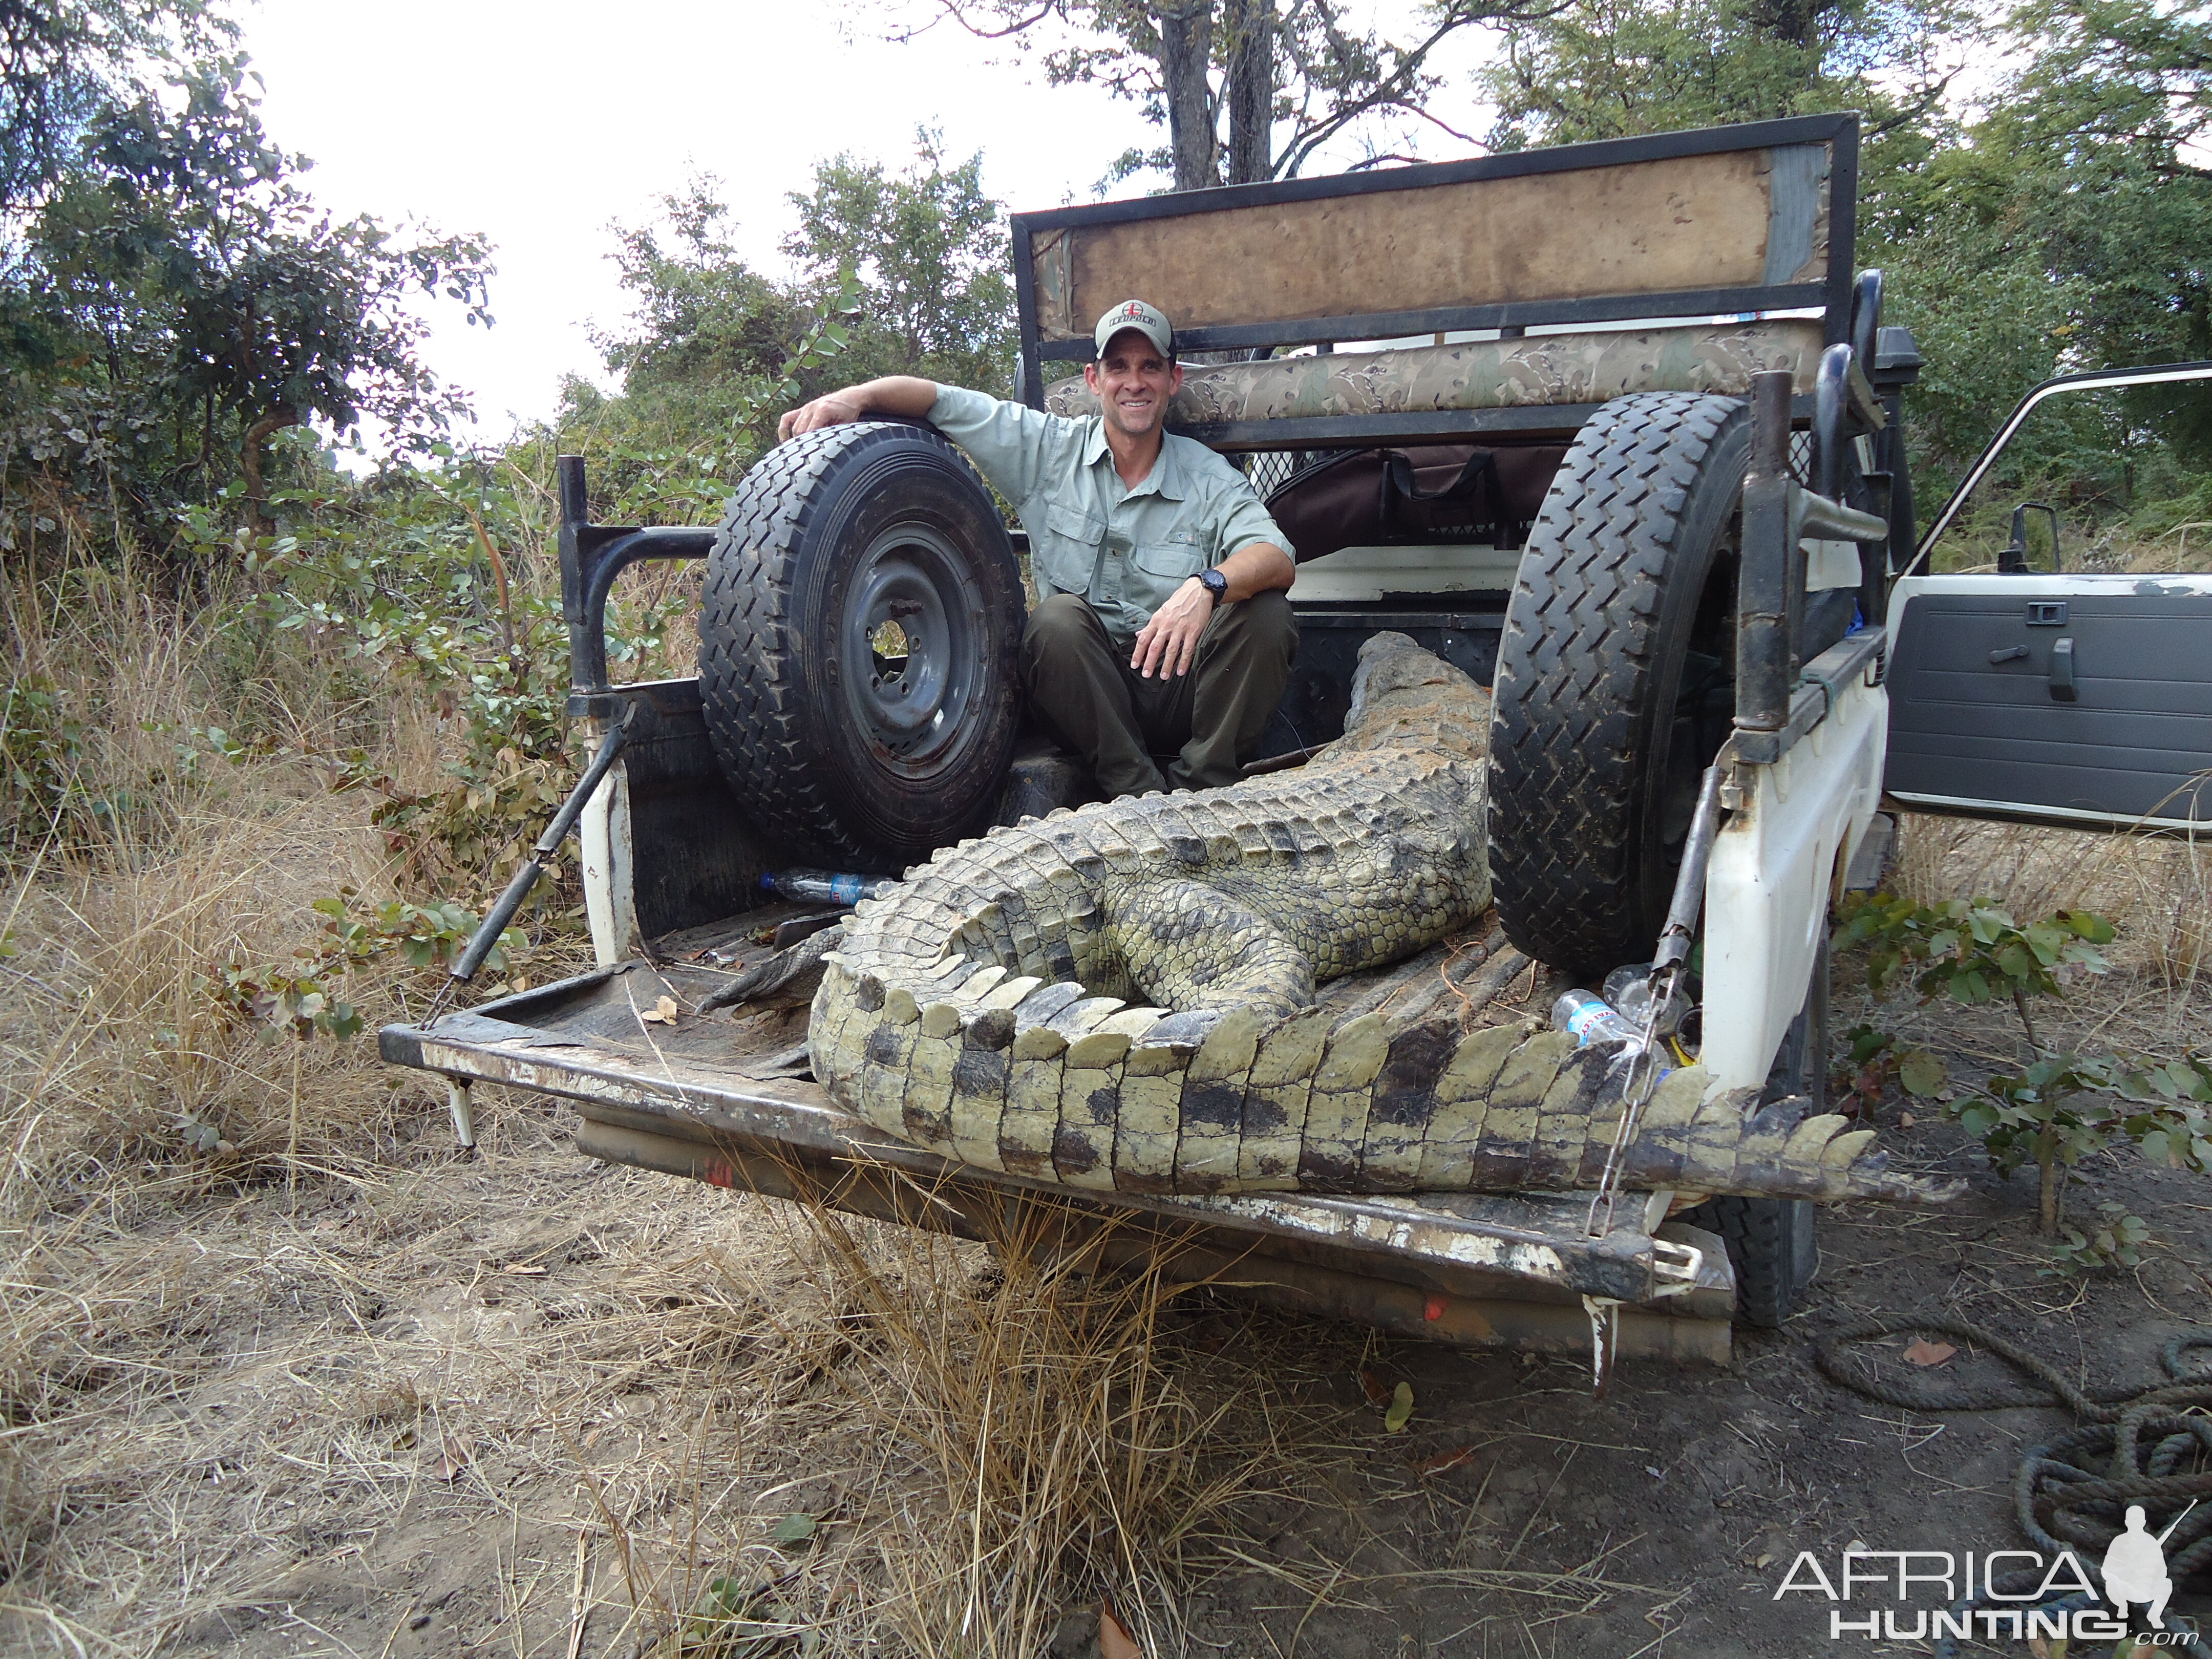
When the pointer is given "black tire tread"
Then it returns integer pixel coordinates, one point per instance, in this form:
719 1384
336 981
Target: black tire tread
1763 1250
1581 645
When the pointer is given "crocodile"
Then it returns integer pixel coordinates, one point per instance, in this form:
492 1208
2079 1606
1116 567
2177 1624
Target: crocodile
1121 997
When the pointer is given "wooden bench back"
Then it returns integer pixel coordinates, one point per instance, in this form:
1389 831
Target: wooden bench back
1755 218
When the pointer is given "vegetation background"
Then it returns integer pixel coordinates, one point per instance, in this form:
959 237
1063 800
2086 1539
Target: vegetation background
280 717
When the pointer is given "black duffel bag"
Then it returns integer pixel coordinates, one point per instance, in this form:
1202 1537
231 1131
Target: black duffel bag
1438 494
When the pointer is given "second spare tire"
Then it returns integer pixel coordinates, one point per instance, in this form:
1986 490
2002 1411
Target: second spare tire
857 645
1615 684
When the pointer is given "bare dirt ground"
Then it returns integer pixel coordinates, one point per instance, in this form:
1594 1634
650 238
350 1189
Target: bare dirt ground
356 1394
490 1401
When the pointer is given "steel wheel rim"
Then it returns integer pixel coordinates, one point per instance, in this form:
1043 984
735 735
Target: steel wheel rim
910 708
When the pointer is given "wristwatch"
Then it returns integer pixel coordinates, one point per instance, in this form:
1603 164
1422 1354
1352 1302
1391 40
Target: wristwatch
1214 583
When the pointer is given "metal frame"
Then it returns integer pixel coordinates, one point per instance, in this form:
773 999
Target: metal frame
2094 380
1832 295
591 556
1779 696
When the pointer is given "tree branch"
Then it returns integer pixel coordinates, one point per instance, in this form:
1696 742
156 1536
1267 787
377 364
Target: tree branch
954 10
1393 90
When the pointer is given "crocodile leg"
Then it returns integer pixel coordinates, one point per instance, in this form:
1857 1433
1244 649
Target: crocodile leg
1188 946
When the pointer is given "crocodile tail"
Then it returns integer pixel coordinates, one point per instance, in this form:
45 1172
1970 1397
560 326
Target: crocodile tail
1012 1073
1004 1070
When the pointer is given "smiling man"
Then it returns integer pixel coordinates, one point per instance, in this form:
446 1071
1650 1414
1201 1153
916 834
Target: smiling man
1163 626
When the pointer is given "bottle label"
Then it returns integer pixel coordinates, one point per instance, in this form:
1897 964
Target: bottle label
1590 1014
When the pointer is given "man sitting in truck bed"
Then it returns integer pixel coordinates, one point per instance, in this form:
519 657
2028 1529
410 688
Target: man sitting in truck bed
1163 626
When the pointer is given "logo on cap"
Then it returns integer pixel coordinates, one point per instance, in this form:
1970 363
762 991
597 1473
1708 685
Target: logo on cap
1146 320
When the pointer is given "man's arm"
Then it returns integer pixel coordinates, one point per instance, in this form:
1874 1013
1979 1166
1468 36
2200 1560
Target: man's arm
1015 446
1169 642
894 394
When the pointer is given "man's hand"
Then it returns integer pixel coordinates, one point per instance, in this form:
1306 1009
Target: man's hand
894 394
831 409
1170 641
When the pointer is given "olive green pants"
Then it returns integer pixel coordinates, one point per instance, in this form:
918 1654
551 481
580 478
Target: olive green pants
1079 682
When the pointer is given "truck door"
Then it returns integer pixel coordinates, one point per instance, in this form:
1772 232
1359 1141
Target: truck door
2052 635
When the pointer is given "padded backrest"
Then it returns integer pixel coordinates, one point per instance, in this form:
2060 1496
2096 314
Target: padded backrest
1755 218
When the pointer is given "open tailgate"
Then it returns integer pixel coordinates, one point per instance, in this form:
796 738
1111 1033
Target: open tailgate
731 1102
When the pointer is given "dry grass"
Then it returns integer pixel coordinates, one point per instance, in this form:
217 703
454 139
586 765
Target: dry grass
2156 889
445 1373
1053 1441
344 1374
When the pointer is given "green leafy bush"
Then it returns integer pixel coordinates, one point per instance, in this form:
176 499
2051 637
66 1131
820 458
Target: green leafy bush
1969 952
2116 1242
41 741
1874 1058
304 996
2060 1110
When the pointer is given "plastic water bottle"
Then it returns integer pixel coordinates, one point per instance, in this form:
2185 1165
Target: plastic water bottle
824 886
1629 990
1589 1018
1592 1021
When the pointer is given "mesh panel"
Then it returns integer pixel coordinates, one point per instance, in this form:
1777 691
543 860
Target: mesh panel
1269 469
1801 458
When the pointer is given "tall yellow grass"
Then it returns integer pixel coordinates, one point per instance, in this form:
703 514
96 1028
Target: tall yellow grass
217 1373
2156 890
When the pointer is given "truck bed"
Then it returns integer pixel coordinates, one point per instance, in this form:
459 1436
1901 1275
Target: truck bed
730 1102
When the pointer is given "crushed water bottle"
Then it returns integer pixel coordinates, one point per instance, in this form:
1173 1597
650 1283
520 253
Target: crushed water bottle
1594 1022
824 886
1588 1017
1629 990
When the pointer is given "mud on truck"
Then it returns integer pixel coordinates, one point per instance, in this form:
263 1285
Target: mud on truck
1611 432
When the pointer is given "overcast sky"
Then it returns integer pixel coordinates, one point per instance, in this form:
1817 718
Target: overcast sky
540 123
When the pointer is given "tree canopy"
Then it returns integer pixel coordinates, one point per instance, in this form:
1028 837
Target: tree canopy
177 299
1248 89
60 65
911 265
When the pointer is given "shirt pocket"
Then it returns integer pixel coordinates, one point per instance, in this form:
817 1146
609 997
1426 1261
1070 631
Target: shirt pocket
1063 558
1156 568
1173 559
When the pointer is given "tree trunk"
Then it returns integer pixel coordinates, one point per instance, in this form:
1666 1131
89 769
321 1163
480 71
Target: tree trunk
1185 52
2051 1186
251 452
1251 91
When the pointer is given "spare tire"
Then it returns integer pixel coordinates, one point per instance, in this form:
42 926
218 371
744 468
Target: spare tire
1614 676
857 645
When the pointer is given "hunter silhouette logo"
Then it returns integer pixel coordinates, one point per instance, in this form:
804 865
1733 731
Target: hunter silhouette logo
2135 1567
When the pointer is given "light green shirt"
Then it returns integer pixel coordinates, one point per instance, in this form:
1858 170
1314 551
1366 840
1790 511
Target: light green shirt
1125 550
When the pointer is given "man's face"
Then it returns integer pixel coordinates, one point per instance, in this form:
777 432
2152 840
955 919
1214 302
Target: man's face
1133 382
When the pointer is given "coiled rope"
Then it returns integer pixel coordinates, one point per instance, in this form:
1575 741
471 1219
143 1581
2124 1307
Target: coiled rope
2144 1446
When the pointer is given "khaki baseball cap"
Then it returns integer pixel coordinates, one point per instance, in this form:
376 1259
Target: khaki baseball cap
1148 321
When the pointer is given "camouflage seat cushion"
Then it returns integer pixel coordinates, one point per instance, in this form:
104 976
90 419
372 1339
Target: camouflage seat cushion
1549 369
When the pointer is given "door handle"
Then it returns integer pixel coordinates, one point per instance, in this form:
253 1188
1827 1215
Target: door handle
2062 671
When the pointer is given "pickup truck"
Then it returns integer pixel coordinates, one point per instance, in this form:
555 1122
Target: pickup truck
1615 428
